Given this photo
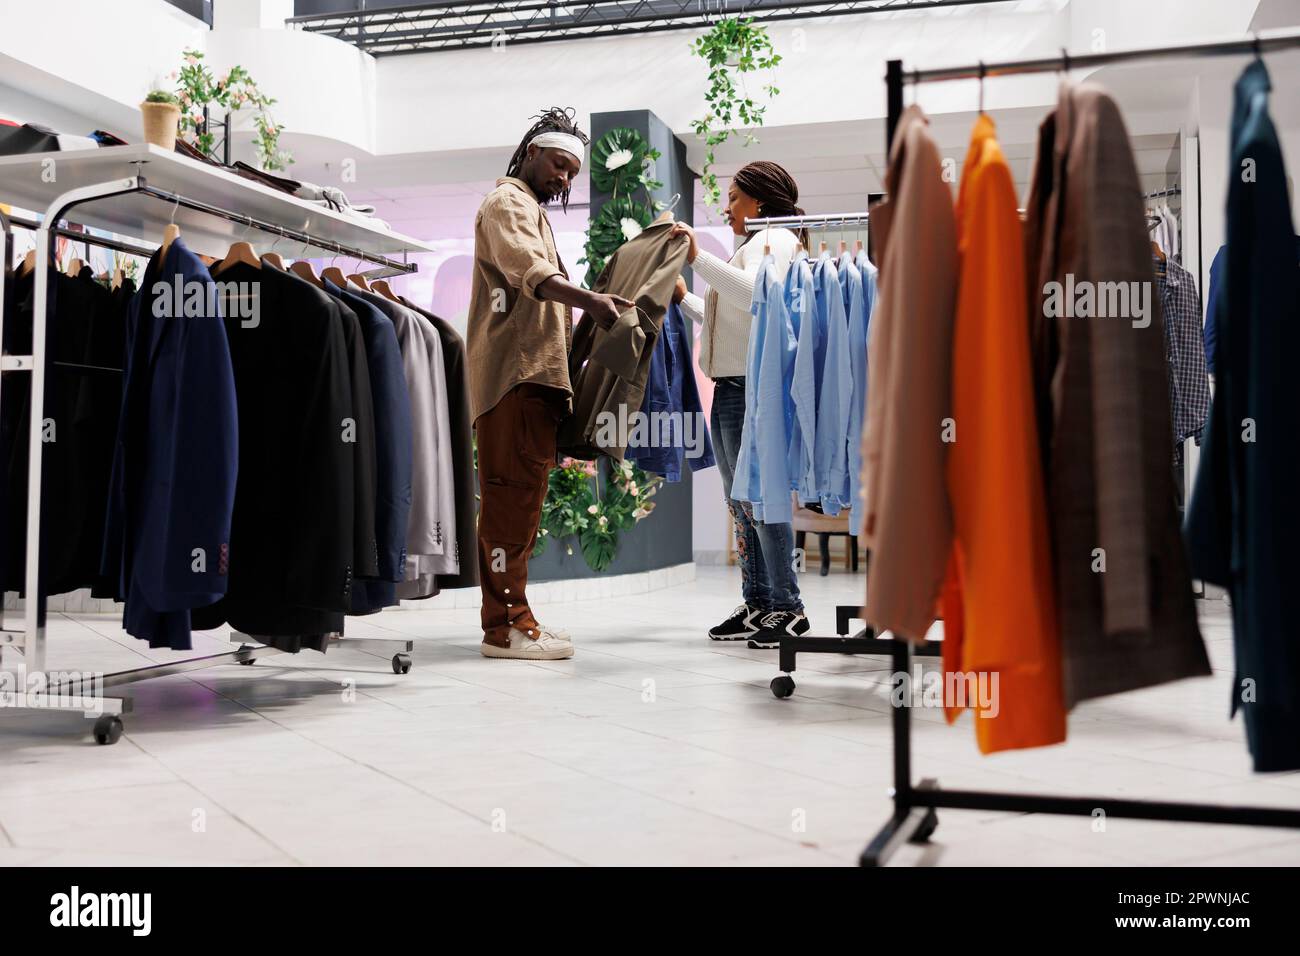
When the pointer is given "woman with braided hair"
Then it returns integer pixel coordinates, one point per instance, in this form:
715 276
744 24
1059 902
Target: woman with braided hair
772 607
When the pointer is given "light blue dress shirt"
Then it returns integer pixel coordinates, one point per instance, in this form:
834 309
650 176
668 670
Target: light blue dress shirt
762 477
830 451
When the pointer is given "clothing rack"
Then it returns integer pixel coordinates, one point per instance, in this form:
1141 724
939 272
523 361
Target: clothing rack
827 221
863 642
85 694
915 818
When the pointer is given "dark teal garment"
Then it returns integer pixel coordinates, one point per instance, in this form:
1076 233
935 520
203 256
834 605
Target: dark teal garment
1243 527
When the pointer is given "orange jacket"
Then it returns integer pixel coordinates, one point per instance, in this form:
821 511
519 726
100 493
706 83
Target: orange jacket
998 597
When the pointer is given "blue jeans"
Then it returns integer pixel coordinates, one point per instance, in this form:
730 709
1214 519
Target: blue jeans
766 551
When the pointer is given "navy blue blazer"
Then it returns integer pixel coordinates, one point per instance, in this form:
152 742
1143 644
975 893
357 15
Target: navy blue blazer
392 452
167 537
1243 523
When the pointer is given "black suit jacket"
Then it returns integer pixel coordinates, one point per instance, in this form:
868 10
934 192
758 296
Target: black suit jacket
293 553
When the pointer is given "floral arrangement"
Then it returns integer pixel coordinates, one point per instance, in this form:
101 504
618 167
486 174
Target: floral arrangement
622 164
575 507
197 86
732 48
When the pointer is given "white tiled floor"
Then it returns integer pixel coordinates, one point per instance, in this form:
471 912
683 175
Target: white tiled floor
652 746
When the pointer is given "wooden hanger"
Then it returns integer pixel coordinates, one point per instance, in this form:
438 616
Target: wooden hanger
29 263
171 233
74 267
335 275
857 246
665 216
238 252
844 247
118 278
273 259
381 286
821 250
358 279
304 270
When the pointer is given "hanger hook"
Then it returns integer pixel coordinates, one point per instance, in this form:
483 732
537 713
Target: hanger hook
1255 43
175 206
1065 60
982 72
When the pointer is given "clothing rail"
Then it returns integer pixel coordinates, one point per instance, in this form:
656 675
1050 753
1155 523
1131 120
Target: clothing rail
1158 193
895 76
29 640
826 221
914 818
117 245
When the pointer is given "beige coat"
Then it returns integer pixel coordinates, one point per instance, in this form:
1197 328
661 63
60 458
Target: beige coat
907 520
513 335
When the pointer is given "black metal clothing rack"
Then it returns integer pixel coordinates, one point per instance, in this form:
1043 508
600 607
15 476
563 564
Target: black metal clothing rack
29 639
914 818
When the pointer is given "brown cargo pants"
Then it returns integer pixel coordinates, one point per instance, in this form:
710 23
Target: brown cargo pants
516 451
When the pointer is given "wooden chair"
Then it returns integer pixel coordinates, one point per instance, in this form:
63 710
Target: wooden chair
824 526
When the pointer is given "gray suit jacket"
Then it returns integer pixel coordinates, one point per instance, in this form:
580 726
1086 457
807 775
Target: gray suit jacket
1106 422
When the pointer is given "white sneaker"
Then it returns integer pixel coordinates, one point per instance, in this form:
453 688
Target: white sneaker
547 646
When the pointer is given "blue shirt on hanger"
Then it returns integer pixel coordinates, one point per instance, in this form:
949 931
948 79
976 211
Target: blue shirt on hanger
859 324
761 474
834 389
801 303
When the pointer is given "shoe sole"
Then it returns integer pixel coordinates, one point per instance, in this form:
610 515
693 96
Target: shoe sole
732 637
771 643
515 654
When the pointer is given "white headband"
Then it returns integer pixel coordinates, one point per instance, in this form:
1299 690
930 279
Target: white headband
557 140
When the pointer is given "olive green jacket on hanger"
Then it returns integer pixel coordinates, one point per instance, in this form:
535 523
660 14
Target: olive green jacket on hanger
609 367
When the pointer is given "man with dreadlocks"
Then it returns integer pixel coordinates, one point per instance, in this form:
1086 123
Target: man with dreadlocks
520 330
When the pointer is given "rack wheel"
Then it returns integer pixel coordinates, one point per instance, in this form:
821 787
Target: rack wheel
401 663
782 686
108 729
926 830
248 663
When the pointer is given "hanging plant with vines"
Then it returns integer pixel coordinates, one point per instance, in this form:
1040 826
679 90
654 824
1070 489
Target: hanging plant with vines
622 164
197 86
732 48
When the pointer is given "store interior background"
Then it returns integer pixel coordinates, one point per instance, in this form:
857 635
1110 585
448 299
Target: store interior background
424 136
415 769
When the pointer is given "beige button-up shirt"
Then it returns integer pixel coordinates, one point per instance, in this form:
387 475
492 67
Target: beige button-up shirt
514 335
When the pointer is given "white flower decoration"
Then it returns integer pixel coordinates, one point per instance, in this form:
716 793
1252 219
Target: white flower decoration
630 227
618 159
592 509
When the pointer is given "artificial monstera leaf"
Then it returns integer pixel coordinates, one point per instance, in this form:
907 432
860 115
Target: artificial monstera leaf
617 160
598 547
610 228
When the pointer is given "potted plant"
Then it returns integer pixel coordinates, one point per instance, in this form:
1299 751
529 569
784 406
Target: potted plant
162 113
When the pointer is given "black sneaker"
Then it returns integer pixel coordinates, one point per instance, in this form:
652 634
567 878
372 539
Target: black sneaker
775 625
737 627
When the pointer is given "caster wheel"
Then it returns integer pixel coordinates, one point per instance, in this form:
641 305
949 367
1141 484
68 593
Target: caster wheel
401 664
248 663
108 729
926 829
782 686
